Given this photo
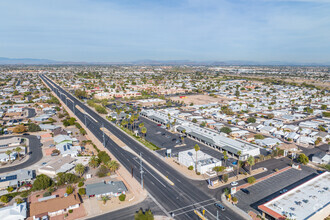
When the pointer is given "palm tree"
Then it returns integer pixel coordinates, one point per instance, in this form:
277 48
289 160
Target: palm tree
225 157
80 169
144 131
112 165
8 152
18 150
238 162
141 125
251 162
197 148
94 162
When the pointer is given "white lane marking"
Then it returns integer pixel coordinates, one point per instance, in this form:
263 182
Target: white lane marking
151 173
192 205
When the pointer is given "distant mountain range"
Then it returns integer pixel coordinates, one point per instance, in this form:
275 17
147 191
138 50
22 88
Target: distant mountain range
31 61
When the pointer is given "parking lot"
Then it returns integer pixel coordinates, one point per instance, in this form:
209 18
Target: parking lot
164 139
270 188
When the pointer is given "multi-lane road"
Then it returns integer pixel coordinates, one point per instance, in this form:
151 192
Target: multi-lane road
181 198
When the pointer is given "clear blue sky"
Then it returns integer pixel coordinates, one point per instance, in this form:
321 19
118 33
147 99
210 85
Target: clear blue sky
123 30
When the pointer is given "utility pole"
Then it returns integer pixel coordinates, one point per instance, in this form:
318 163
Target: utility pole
103 135
141 170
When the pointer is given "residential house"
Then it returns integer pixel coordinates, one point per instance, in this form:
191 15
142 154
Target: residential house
68 149
61 165
321 158
59 139
15 211
112 189
52 206
16 178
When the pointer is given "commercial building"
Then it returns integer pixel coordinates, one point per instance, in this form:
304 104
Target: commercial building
310 200
205 162
207 136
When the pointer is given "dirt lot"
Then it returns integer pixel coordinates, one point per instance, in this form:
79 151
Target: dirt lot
199 99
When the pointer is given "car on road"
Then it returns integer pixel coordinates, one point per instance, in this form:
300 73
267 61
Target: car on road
159 125
245 191
219 206
283 191
178 141
234 183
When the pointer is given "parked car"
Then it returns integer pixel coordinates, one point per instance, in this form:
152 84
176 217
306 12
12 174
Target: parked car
234 183
245 191
219 206
26 134
159 125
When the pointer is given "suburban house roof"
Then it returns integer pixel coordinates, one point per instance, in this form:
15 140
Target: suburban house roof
53 205
103 188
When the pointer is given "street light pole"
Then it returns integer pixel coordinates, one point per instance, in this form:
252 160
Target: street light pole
103 135
141 170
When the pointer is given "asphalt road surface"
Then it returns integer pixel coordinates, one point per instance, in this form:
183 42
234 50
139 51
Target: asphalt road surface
181 198
34 151
129 212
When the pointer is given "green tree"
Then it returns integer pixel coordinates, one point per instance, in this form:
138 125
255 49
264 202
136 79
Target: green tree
226 130
104 157
42 182
197 148
251 162
218 169
112 165
144 215
69 189
251 120
4 199
225 157
18 150
225 178
8 152
94 162
122 197
302 158
324 107
251 180
102 171
33 127
82 191
239 153
80 94
144 131
80 169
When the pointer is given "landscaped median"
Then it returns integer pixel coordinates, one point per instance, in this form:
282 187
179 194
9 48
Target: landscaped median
146 143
